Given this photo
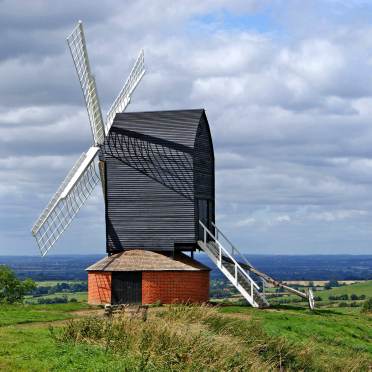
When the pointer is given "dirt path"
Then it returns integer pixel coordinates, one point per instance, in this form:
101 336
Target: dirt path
87 312
97 313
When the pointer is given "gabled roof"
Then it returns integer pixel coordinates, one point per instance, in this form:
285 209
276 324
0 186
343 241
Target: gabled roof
143 260
178 126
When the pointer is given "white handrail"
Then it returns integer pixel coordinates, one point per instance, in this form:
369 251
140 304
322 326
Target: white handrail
221 248
233 248
237 253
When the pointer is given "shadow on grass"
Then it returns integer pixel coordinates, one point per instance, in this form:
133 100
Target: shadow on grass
316 311
280 307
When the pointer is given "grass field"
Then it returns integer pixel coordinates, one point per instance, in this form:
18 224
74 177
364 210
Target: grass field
218 339
364 288
319 283
50 283
221 338
26 343
334 333
19 314
79 296
32 349
361 288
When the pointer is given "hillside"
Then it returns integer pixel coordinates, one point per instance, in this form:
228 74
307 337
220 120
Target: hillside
359 289
335 337
352 295
184 338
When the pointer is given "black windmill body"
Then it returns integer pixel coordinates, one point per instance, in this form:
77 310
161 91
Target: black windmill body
159 180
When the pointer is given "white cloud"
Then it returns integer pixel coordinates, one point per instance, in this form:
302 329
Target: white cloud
283 218
337 215
247 222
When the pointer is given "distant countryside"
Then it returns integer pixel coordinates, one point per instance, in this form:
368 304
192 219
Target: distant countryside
62 279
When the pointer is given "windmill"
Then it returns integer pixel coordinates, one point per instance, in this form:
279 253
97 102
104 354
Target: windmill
158 180
83 177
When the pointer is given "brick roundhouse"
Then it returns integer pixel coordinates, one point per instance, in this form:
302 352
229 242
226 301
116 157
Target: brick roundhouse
146 277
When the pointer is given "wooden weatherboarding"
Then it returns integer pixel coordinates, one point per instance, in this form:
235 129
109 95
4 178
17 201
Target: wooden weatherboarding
157 174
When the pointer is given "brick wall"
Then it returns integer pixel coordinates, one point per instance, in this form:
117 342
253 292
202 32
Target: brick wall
175 286
99 287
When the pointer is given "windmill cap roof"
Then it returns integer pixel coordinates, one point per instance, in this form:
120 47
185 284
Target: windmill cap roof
143 260
179 126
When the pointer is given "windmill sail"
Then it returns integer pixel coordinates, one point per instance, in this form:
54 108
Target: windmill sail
83 177
69 198
77 45
123 99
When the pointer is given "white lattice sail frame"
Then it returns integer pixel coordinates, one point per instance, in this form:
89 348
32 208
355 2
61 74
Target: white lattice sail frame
69 198
83 177
78 49
123 98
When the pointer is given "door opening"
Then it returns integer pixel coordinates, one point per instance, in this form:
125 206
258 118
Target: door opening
126 287
205 215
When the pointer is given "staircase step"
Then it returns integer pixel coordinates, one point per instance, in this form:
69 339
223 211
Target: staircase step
242 283
231 261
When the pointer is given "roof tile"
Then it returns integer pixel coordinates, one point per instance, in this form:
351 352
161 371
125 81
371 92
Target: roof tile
143 260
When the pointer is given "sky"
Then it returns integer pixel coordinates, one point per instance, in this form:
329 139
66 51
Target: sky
286 85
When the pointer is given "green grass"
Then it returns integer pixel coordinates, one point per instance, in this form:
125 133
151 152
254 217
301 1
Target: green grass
18 314
29 347
364 288
234 338
51 283
334 333
33 349
79 296
186 338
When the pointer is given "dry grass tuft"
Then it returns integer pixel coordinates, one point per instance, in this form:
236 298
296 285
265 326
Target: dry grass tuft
192 338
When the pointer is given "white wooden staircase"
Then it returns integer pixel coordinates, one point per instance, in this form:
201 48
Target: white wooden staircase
237 269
